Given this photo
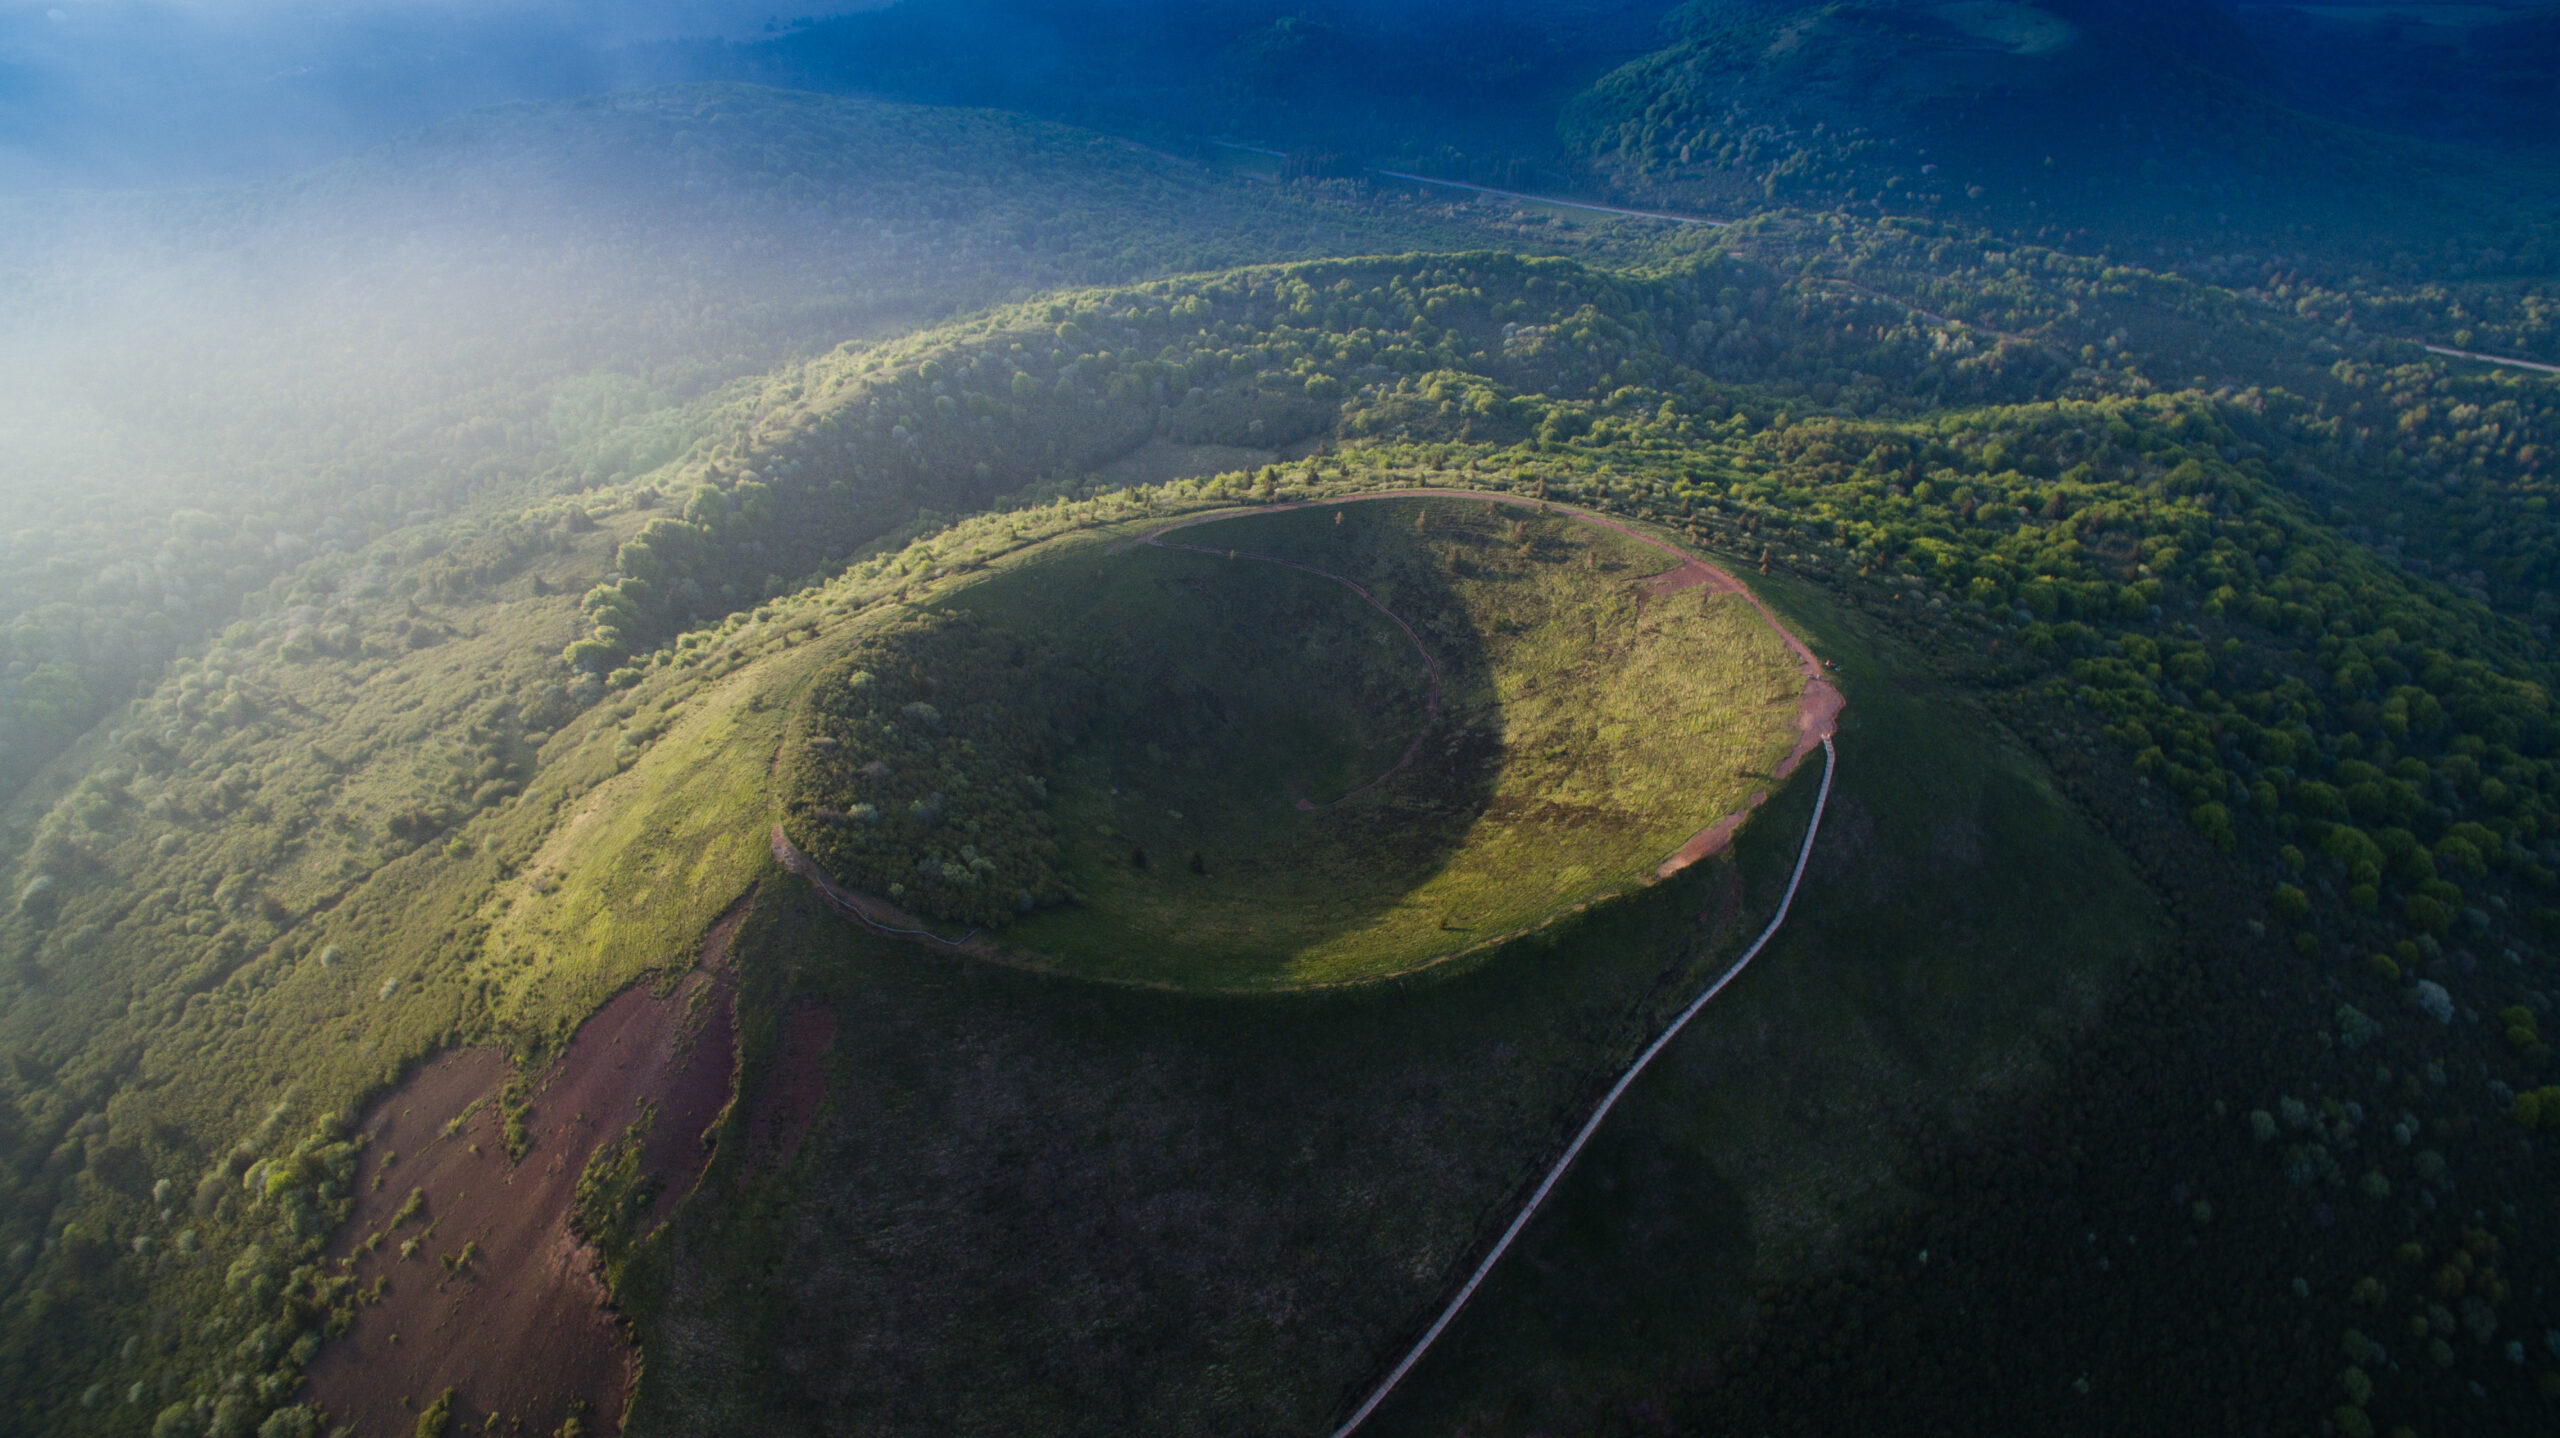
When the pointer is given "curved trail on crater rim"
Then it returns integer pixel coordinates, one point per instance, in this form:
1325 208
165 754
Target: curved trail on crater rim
1430 707
1529 1210
1817 711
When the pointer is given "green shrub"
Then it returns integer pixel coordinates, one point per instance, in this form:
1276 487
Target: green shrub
436 1418
294 1421
2426 912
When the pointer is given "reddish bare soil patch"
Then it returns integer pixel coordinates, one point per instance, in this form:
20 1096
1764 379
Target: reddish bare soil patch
690 1094
787 1103
1728 909
1709 840
1817 719
520 1331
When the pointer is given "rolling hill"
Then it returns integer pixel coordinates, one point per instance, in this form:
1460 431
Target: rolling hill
2134 694
739 670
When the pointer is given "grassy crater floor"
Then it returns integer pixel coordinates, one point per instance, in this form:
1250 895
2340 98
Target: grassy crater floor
1289 748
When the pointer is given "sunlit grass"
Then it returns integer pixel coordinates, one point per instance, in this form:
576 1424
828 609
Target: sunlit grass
1587 731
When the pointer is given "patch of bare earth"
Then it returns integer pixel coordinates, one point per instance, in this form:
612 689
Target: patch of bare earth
786 1103
1709 840
519 1330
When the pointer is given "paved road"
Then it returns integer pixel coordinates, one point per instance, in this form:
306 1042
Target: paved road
1529 1210
1552 200
1519 195
2494 359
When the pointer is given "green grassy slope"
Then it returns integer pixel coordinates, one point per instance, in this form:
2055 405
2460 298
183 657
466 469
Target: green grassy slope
1075 1208
1186 703
315 853
1958 918
1346 1170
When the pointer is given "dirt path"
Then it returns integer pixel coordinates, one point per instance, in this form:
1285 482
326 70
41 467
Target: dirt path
869 910
519 1330
1817 711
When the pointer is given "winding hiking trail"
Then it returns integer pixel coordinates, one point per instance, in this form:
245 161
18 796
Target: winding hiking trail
1817 716
870 911
1817 708
1573 1150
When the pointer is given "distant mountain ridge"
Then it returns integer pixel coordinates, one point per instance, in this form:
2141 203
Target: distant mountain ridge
2089 122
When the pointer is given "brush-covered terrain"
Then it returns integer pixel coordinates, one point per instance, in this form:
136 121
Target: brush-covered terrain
518 303
2134 128
1325 745
2160 1010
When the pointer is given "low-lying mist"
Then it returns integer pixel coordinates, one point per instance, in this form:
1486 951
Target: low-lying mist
202 390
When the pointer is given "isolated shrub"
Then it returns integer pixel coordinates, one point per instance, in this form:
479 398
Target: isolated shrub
292 1422
436 1418
2213 821
2424 911
590 655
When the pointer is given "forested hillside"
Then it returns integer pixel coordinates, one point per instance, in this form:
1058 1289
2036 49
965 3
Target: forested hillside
2135 130
412 574
206 391
2104 500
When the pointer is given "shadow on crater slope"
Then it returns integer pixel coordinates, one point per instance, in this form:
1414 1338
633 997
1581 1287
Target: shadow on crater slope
1290 748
